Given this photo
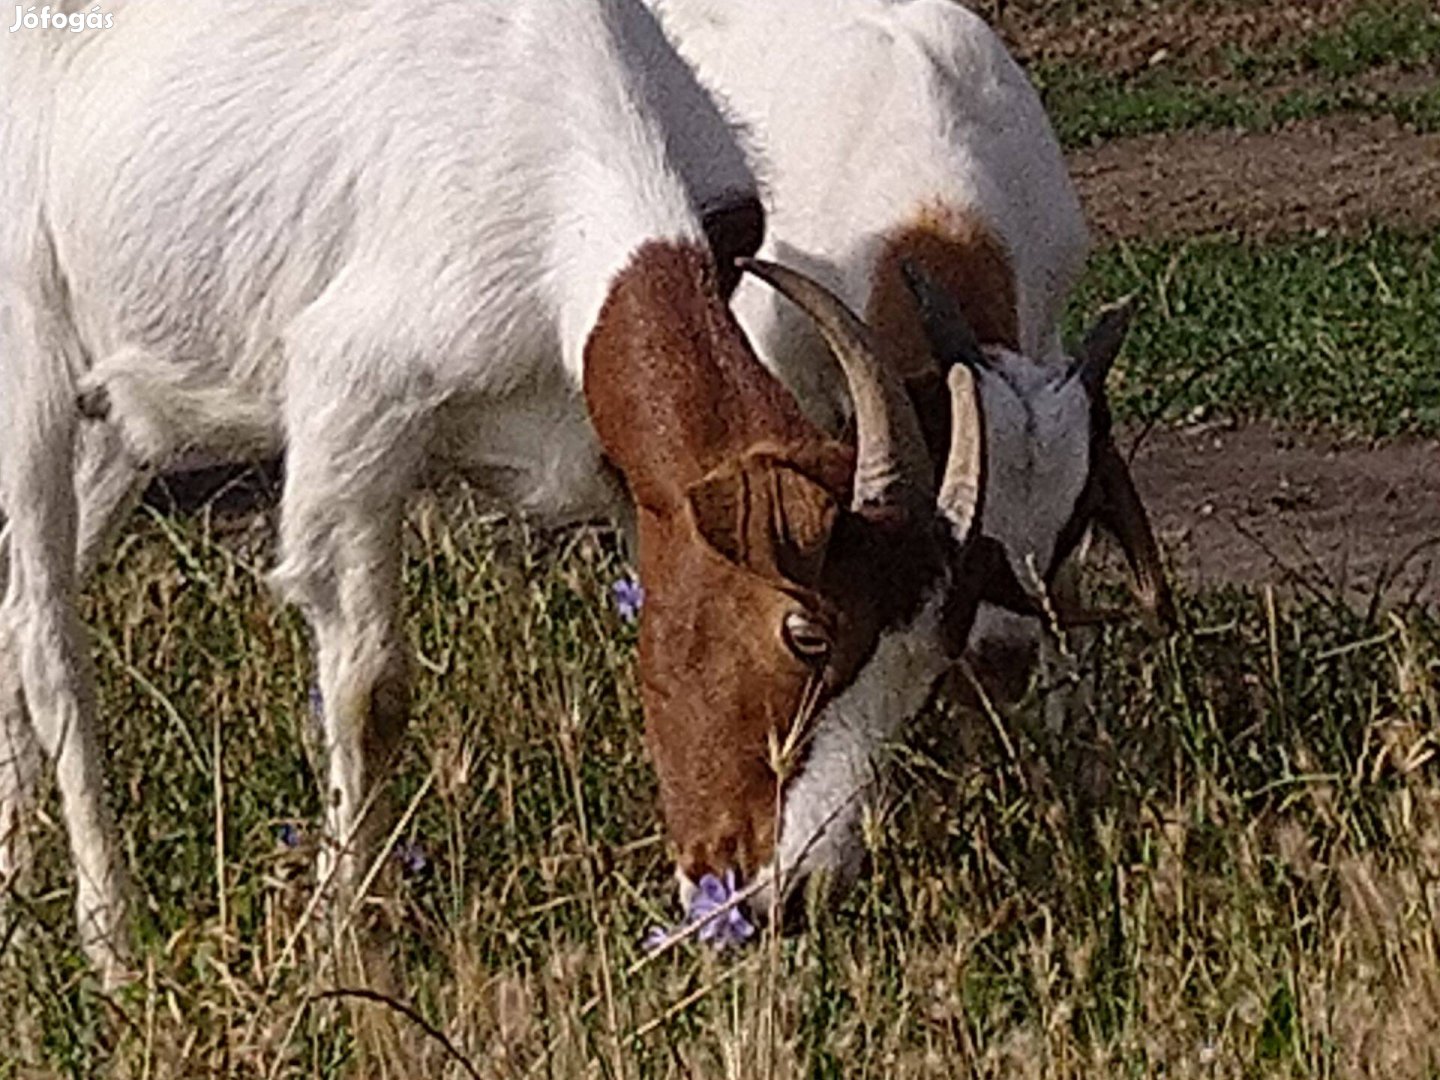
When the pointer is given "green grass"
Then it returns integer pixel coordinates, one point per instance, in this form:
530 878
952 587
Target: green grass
1259 90
1402 36
1344 333
1226 871
1088 107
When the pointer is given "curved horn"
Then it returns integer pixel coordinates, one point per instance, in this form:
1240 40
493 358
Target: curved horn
949 334
892 466
1101 346
961 487
1123 514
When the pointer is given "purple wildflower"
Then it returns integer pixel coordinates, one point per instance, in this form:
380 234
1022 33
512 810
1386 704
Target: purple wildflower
413 859
720 929
317 702
288 835
629 597
728 928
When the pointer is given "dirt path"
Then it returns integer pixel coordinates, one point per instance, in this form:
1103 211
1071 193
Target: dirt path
1256 504
1125 36
1341 174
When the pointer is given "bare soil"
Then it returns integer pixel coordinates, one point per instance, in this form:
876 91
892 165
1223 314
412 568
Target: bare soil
1126 36
1342 174
1254 504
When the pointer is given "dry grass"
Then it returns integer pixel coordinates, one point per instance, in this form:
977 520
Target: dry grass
1229 870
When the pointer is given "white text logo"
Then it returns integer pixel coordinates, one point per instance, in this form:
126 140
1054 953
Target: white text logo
27 19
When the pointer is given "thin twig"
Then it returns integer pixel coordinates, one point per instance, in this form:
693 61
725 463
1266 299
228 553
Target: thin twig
218 759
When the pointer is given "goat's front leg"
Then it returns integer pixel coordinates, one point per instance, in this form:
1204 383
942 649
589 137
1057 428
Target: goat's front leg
108 482
19 753
364 689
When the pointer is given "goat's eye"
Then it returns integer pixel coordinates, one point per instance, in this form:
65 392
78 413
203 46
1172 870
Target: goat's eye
806 638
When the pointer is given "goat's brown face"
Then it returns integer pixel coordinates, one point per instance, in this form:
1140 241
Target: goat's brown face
769 594
798 600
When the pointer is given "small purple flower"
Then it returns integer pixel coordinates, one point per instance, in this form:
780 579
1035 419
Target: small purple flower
720 929
727 928
288 835
317 702
629 597
413 859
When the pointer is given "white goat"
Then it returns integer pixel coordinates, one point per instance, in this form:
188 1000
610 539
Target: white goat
895 131
348 230
388 239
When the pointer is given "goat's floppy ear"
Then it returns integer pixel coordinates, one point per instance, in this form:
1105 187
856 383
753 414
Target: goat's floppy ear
735 231
1122 514
763 513
1102 343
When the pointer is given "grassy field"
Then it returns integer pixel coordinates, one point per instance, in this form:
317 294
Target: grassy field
1089 107
1230 868
1332 331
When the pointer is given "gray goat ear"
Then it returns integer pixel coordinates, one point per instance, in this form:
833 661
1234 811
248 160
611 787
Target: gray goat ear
951 339
1097 353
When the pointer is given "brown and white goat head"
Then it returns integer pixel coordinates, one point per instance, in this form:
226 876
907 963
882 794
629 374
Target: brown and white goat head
1053 468
802 595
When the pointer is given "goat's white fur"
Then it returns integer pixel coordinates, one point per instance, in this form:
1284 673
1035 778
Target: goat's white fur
375 237
819 826
866 114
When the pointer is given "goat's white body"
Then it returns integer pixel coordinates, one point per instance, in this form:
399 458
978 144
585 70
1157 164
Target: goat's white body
292 170
374 237
866 114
